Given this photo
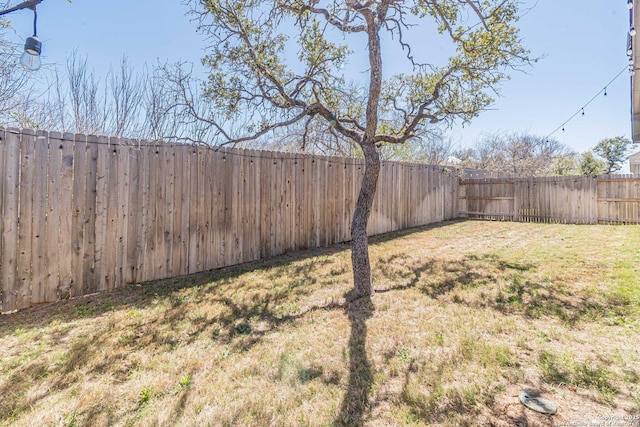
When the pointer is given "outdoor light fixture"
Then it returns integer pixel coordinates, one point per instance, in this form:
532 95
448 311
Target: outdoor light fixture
632 32
30 59
630 4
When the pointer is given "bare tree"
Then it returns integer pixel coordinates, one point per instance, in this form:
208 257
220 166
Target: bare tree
13 79
126 90
88 104
160 117
183 101
517 153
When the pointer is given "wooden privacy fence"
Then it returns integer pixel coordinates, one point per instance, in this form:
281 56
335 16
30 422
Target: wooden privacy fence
609 199
82 214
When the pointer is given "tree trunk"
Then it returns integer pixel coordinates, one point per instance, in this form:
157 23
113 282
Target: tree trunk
362 283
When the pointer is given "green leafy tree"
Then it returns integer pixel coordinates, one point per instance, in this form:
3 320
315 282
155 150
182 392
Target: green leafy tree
613 151
280 63
590 165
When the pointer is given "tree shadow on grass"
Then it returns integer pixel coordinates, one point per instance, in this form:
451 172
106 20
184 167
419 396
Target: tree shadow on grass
487 281
356 400
83 329
232 329
140 295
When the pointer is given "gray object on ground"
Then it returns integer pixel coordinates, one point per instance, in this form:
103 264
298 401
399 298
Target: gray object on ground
536 402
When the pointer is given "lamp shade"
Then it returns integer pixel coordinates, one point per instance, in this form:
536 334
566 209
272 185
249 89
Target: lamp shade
30 58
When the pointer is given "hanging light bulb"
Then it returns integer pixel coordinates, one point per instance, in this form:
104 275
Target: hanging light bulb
630 51
632 32
630 4
30 58
605 91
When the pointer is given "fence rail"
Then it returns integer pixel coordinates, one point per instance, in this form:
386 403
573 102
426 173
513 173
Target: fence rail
608 199
82 214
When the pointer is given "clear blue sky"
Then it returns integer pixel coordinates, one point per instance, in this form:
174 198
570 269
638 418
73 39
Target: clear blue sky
583 44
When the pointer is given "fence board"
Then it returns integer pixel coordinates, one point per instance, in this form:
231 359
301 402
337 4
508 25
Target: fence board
89 277
111 248
133 222
25 221
53 249
157 180
79 201
102 203
178 241
65 238
162 215
123 220
185 205
11 174
39 214
3 149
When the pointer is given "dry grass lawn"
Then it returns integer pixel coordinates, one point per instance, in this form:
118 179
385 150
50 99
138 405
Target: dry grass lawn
467 315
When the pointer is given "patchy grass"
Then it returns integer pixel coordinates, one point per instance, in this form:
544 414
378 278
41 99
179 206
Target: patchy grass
466 315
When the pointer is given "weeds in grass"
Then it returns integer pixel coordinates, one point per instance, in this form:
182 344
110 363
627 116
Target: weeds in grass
185 382
146 394
70 420
564 369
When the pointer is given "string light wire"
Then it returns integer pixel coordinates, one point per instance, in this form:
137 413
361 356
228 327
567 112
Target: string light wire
581 109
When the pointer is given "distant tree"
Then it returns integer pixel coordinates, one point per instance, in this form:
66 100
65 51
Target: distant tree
13 79
519 154
590 165
278 63
161 119
613 151
88 102
430 147
124 102
563 165
311 137
126 90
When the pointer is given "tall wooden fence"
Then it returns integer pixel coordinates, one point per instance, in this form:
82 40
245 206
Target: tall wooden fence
82 214
610 199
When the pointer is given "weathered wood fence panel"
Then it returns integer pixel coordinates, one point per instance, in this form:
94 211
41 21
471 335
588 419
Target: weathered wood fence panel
570 200
618 199
82 214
